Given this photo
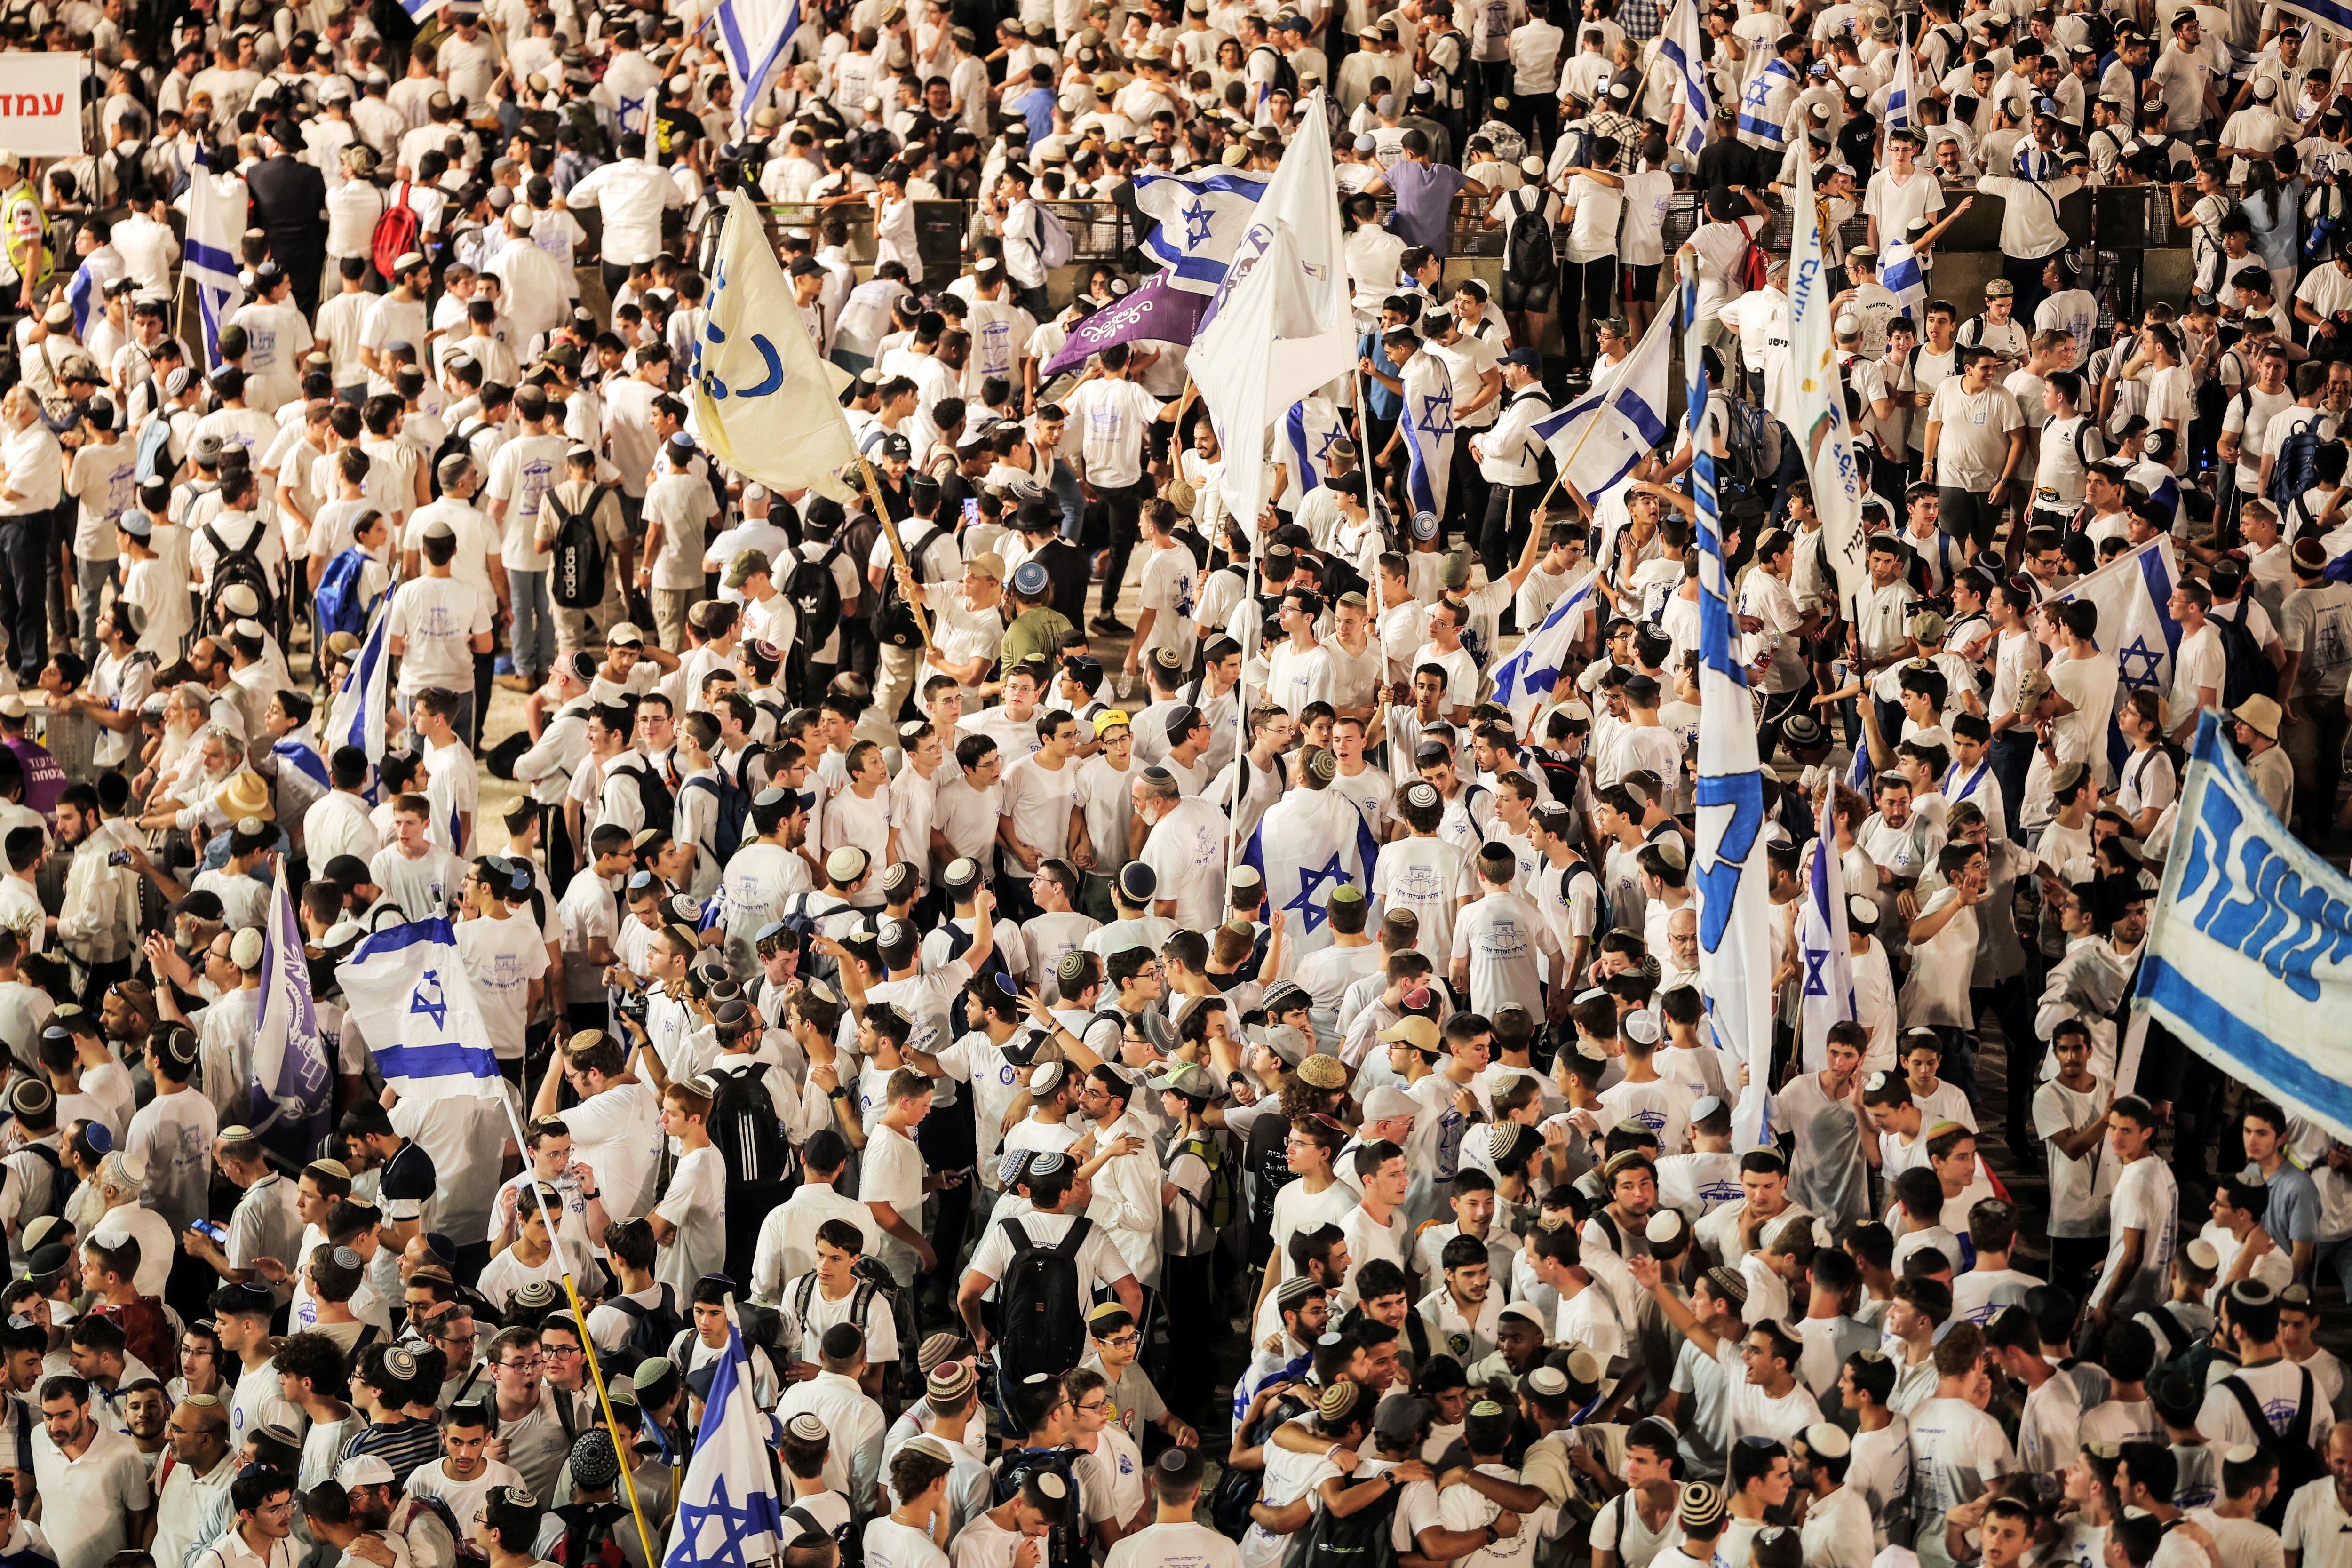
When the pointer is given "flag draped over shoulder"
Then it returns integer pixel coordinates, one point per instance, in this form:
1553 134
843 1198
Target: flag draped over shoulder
1813 395
1678 44
356 716
1825 976
754 36
1524 682
763 402
1598 439
728 1515
1309 431
288 1101
1727 874
1309 844
2133 593
410 995
1201 214
217 208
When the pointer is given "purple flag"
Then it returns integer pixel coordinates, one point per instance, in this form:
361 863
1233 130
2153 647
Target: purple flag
1155 311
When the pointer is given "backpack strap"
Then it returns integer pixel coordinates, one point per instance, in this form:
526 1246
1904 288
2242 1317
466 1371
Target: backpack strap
2266 1435
1020 1236
1068 1246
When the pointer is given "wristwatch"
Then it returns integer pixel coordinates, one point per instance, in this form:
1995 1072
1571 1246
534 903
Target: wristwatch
1493 1535
838 1091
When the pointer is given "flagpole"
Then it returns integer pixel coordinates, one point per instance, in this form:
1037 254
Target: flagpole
1364 457
587 1341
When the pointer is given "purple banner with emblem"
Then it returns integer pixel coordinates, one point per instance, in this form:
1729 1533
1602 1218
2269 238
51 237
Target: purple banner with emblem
1155 311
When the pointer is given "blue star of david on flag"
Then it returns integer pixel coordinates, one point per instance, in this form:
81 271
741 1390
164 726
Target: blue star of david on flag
1196 224
428 1001
1331 437
1437 414
1814 964
719 1531
2139 653
727 1512
1311 879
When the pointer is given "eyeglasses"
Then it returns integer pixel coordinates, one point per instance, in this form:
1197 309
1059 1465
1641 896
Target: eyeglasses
1094 1407
1122 1342
533 1365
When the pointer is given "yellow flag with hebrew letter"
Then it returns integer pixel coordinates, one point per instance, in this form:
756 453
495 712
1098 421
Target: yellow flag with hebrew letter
761 399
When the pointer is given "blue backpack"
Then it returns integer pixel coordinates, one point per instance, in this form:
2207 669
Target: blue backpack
340 606
152 463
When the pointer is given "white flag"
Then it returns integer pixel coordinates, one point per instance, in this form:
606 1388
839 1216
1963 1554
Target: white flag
1678 45
763 402
1813 395
1904 87
755 35
1598 439
217 208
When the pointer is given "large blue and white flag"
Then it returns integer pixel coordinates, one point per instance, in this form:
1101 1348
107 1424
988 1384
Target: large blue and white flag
85 293
1755 105
1202 215
754 36
217 208
1900 274
1678 44
2134 592
1523 682
728 1515
356 716
1426 423
289 1096
418 10
1596 439
1812 395
1825 976
1309 431
1310 843
1728 877
1904 88
407 988
2249 952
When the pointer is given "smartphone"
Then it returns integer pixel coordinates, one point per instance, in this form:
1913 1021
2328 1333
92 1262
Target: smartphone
118 857
217 1234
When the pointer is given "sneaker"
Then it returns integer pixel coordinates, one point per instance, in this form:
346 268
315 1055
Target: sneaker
1110 626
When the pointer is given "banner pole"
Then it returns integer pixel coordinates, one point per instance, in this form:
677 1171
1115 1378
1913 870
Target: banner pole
587 1341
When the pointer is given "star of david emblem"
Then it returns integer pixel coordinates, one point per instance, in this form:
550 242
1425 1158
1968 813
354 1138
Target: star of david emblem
1816 984
1332 438
1437 414
1310 879
629 107
717 1531
429 1000
2148 660
1196 224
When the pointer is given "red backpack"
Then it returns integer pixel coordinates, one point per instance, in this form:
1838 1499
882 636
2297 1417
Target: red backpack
1755 265
398 232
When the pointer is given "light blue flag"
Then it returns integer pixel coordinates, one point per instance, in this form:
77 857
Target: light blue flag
1523 682
1201 216
1309 844
288 1097
409 989
755 35
2133 593
356 716
1678 45
1735 916
728 1515
2249 950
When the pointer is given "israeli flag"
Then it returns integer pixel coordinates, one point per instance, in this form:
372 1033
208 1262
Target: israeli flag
1900 274
418 10
755 35
2133 593
1599 438
1523 682
288 1094
1735 915
1825 985
1755 117
2331 15
356 716
1427 422
1904 88
1308 432
82 295
1309 843
216 209
423 1021
1678 45
728 1515
1201 216
304 759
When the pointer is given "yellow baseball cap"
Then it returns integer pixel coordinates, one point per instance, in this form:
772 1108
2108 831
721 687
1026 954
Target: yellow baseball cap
1110 719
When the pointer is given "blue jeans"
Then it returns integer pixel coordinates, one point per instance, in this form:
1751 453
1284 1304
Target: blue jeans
1070 499
534 623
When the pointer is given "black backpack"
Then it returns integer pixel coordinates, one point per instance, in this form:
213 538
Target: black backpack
1229 1505
61 1186
1040 1309
816 598
576 568
734 797
861 1301
894 617
241 566
2298 1462
1359 1540
651 1328
1285 78
1529 257
2245 672
744 1126
1066 1546
1744 483
660 806
1268 1164
458 443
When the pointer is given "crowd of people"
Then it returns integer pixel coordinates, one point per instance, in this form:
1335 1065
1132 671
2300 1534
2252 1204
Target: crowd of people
910 953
